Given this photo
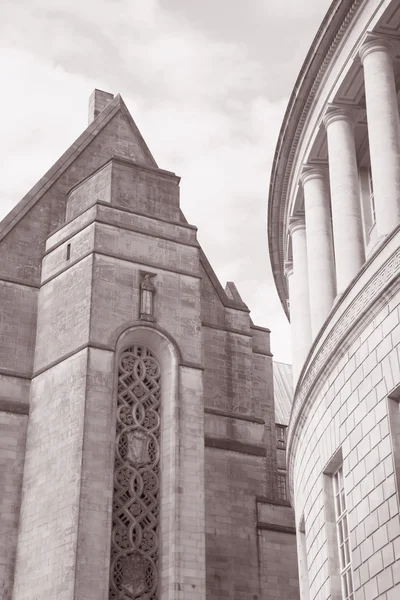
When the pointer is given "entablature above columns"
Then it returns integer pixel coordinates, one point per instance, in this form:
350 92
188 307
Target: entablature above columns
332 74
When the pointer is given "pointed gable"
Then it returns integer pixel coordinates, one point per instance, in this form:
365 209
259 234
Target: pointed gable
24 230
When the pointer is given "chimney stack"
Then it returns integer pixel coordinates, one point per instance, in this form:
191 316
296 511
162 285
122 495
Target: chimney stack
97 102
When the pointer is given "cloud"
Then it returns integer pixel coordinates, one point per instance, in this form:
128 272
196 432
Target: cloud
206 82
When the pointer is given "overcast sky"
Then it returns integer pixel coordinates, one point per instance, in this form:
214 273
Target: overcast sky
207 82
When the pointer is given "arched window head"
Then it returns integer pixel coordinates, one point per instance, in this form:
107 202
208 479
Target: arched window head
136 498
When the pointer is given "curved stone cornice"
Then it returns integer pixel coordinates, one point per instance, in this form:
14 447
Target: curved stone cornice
349 314
336 22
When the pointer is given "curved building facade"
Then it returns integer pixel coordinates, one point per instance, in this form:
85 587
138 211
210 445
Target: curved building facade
334 236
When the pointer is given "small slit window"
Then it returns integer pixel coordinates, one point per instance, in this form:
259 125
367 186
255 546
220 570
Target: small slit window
281 436
342 530
282 487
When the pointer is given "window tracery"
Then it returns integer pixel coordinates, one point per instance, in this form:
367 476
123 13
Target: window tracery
134 540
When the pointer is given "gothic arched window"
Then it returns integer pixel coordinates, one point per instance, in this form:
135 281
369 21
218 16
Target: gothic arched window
135 524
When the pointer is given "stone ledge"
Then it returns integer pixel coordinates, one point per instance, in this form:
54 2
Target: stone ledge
225 329
88 345
232 415
233 446
15 281
276 527
124 226
10 373
122 258
265 500
16 408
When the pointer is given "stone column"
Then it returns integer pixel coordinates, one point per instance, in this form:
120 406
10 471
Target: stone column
299 297
293 335
345 195
321 264
383 131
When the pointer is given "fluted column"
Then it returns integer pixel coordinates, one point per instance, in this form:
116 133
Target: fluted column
299 297
321 264
345 196
383 131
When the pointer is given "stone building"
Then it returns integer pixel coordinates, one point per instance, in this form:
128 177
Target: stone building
334 237
139 451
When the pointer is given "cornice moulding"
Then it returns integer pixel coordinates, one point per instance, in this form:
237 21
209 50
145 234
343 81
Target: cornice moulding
337 20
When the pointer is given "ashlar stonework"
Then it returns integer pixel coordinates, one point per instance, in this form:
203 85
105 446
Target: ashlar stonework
137 415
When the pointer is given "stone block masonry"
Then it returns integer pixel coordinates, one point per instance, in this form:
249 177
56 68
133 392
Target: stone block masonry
78 249
351 412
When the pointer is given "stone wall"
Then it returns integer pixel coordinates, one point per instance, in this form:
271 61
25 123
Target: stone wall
12 451
17 327
82 254
350 415
51 486
241 460
232 482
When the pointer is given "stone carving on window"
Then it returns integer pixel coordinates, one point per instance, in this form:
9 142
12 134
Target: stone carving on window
147 291
134 540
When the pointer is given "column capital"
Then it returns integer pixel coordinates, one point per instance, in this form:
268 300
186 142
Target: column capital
313 171
296 223
373 42
340 112
288 268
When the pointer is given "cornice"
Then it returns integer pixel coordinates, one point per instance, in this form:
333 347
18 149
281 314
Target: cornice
328 38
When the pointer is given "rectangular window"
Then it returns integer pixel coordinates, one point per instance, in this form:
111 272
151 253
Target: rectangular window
282 489
281 436
302 561
342 531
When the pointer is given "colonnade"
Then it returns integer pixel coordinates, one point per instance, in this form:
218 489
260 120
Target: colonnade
327 241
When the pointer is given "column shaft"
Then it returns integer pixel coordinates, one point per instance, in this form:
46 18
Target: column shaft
383 132
345 197
321 264
299 299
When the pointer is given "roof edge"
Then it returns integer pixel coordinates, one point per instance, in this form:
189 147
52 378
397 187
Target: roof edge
68 157
340 14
